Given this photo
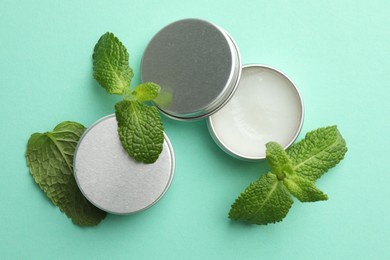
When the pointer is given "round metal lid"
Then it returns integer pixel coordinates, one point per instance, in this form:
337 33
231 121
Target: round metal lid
196 63
113 181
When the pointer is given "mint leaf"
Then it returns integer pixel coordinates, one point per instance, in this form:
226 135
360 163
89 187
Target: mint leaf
111 64
146 92
264 201
319 151
278 160
50 160
140 130
303 189
164 99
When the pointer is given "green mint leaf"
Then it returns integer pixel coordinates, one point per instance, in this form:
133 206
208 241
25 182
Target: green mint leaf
50 160
146 92
111 64
140 130
321 150
303 189
278 160
264 201
164 99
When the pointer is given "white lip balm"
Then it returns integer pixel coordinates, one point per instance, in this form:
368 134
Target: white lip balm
265 107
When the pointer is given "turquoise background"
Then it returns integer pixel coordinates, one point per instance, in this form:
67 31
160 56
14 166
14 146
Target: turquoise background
338 54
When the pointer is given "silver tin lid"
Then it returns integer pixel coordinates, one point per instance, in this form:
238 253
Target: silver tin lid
113 181
252 118
198 66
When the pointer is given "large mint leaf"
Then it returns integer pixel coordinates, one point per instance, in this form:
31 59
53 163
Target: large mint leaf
140 130
264 201
111 64
319 151
50 160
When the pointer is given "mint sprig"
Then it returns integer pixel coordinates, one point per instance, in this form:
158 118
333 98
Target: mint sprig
293 172
140 127
50 160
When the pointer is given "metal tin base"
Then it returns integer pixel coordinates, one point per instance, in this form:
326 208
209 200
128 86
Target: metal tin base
113 181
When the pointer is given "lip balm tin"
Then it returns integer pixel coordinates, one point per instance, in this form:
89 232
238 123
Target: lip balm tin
113 181
265 107
198 66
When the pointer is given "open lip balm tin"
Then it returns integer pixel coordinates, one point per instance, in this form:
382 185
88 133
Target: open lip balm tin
198 66
113 181
265 107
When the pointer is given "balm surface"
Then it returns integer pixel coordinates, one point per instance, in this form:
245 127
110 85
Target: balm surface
265 107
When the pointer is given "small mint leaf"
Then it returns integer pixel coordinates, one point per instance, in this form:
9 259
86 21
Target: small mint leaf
140 130
265 201
146 91
303 189
278 160
319 151
111 64
50 160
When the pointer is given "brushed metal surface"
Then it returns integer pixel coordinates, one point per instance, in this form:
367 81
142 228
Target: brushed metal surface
196 63
113 181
